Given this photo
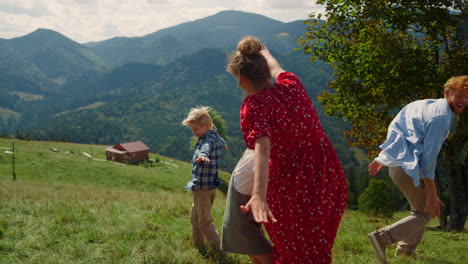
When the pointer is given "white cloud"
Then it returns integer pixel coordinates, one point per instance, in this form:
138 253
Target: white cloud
95 20
291 4
157 1
78 2
28 8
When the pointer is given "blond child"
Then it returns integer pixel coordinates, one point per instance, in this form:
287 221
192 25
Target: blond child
205 164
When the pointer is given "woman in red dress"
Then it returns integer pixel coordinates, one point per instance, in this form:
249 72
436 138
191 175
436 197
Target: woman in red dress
299 190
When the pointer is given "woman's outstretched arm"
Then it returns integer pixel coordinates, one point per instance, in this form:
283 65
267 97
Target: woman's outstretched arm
273 65
257 203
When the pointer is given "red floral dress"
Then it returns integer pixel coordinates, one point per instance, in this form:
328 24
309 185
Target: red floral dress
307 187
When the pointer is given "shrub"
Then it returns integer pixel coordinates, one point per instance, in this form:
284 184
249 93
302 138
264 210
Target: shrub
376 199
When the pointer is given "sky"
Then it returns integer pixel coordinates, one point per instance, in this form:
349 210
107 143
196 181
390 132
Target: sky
96 20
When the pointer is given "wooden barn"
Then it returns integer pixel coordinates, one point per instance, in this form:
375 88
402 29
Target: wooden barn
131 152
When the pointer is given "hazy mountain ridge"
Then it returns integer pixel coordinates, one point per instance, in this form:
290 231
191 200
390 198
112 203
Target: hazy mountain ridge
221 30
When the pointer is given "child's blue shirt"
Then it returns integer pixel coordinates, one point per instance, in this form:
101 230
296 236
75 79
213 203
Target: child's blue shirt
205 174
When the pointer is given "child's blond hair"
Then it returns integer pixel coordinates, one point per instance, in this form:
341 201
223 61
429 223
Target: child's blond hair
199 116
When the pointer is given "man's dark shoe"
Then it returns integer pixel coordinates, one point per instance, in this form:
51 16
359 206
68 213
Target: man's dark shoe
379 247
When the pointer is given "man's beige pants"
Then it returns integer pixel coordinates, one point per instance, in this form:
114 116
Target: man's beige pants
408 232
202 222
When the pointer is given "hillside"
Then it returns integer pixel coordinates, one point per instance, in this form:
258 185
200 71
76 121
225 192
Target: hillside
35 161
56 55
67 208
19 74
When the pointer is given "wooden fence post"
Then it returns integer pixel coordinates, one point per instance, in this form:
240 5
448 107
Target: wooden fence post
14 172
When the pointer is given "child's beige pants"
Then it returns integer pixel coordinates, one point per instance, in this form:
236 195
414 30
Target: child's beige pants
202 222
408 232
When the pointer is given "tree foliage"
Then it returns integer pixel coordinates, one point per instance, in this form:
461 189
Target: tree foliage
375 199
384 55
218 122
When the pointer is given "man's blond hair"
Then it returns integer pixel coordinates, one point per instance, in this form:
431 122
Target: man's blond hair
200 116
457 84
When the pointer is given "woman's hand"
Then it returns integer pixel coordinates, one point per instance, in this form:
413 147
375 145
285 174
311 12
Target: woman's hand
259 209
273 65
257 203
264 51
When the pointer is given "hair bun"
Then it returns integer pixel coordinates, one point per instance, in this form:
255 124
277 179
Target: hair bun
249 45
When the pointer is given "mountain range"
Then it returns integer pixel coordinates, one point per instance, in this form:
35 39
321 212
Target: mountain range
140 88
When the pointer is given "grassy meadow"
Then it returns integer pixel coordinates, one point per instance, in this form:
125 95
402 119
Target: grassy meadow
67 208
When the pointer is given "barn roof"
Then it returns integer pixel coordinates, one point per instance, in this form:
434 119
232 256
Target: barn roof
113 150
132 146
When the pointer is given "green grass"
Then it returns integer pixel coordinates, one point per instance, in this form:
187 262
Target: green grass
67 208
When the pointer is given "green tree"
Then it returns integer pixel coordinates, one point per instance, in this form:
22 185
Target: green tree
386 54
218 122
375 199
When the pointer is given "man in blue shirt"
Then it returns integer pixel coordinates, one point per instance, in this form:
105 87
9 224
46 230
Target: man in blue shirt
205 164
414 139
